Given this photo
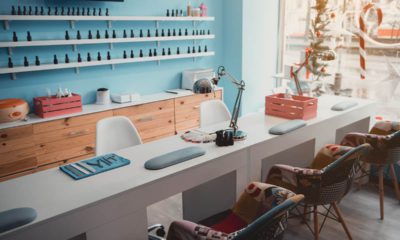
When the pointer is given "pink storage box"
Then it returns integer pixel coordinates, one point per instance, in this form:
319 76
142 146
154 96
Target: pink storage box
51 107
299 107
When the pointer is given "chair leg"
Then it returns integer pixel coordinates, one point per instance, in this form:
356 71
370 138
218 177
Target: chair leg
316 224
341 219
305 215
381 192
395 181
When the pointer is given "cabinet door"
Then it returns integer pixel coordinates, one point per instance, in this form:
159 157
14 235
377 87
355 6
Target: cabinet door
153 120
187 110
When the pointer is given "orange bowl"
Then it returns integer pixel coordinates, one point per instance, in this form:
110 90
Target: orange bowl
13 109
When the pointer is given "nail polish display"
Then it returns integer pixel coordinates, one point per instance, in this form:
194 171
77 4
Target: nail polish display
79 57
37 61
78 35
55 60
26 63
125 56
89 58
132 55
10 63
66 35
15 38
66 58
90 35
28 36
98 56
108 56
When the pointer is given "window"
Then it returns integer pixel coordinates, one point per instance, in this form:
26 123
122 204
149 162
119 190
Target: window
382 81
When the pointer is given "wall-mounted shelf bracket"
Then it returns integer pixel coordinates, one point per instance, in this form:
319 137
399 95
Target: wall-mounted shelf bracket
72 24
111 46
9 49
112 66
157 24
158 44
74 48
6 25
13 76
109 24
77 70
194 59
158 62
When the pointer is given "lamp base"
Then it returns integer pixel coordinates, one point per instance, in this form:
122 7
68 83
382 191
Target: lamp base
239 135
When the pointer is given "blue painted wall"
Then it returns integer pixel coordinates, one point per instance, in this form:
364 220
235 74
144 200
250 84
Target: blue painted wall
145 78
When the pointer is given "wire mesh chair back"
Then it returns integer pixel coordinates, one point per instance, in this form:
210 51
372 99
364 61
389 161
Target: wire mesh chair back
394 150
334 181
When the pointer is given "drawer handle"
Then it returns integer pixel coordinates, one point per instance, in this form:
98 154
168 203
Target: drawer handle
146 119
196 107
89 149
4 135
79 133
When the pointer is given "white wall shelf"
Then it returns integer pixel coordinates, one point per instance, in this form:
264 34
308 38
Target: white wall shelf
72 19
110 41
112 62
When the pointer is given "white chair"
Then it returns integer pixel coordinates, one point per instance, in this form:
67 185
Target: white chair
212 112
115 133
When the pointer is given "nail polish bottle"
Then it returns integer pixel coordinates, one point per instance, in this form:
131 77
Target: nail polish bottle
150 53
107 12
205 49
186 32
66 58
15 38
98 34
78 35
28 36
98 56
90 35
77 12
30 10
178 51
155 52
181 13
167 12
89 58
19 11
125 35
55 60
87 12
37 61
148 33
176 13
199 51
62 11
26 63
114 35
141 53
36 10
24 11
197 32
188 51
169 51
180 32
163 51
83 11
79 57
106 34
162 33
125 56
132 55
41 11
169 32
68 11
100 12
193 33
73 11
66 35
194 49
141 33
172 13
108 56
174 32
209 32
13 12
94 11
132 34
10 64
56 11
156 33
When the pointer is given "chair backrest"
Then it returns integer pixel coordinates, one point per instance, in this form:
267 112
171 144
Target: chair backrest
212 112
271 224
115 133
394 148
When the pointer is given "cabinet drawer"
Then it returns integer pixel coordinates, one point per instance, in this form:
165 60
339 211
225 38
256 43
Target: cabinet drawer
68 123
15 133
17 161
63 134
17 175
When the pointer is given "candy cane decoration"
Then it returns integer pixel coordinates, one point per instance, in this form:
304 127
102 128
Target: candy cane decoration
363 29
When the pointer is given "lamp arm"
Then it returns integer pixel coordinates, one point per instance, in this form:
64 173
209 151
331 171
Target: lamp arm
236 110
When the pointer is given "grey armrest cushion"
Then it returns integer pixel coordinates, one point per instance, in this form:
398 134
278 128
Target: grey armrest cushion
344 105
173 158
286 127
17 217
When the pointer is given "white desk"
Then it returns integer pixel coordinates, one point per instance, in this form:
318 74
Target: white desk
113 205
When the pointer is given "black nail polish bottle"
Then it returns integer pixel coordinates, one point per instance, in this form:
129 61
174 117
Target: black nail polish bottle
88 12
181 13
141 33
209 32
176 13
205 49
30 10
89 58
174 32
108 56
77 12
28 36
180 32
83 11
73 11
194 49
156 33
15 38
197 32
79 57
68 11
125 35
55 60
37 61
188 51
24 11
56 11
193 33
90 35
66 58
178 51
107 12
100 12
155 52
98 34
26 63
66 35
132 55
199 51
167 12
36 10
41 11
106 34
62 11
163 51
162 33
10 64
125 56
169 51
150 53
141 53
13 12
78 35
186 32
94 11
172 13
98 56
148 33
132 34
114 35
19 11
169 32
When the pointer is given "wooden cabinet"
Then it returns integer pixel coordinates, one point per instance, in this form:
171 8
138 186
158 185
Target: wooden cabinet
153 120
187 110
37 147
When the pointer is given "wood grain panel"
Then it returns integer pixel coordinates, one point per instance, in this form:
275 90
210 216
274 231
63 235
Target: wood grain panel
14 166
69 133
16 132
16 175
16 144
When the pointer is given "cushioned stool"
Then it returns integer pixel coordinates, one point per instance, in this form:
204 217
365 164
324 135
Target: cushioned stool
17 217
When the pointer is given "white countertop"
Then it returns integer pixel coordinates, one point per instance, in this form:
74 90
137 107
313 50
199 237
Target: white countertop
94 108
53 194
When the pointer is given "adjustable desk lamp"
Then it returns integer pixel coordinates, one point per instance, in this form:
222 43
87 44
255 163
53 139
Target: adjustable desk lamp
240 85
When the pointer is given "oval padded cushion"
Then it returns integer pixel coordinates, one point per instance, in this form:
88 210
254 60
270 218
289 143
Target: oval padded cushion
17 217
344 105
286 127
173 158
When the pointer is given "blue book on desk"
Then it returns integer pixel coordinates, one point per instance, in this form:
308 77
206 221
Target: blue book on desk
94 166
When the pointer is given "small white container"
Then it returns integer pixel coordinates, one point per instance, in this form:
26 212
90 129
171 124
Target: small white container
103 96
196 12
